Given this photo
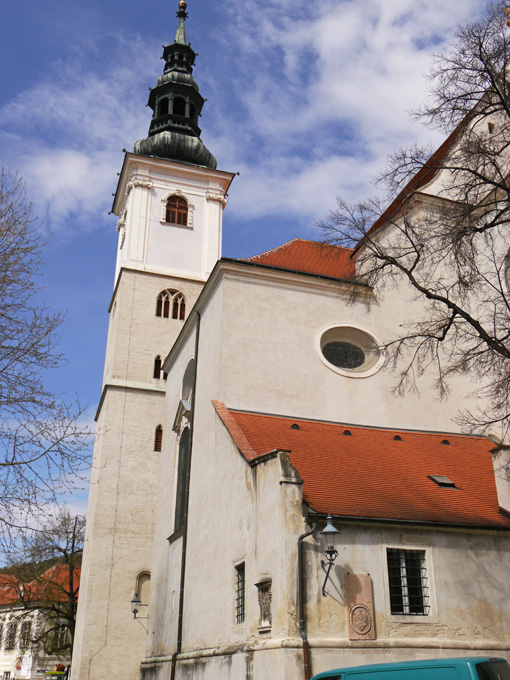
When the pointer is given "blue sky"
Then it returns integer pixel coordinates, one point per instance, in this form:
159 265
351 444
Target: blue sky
305 100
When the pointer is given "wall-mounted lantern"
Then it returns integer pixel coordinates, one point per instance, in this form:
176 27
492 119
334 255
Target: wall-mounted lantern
136 604
328 536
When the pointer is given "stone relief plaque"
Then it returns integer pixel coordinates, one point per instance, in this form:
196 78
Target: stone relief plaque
360 607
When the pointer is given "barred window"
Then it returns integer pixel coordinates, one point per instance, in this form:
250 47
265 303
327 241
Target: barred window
10 638
240 593
158 438
171 300
408 583
177 211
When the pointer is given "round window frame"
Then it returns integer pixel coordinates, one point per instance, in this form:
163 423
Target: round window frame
343 335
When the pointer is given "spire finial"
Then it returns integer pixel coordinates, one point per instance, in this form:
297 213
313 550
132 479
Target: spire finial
182 15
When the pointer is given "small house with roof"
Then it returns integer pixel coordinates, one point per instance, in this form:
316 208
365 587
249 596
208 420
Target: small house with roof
35 629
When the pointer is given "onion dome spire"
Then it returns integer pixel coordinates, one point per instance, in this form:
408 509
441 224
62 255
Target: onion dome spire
176 104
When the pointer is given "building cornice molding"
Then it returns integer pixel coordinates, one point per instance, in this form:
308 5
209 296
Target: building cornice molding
333 643
142 165
129 386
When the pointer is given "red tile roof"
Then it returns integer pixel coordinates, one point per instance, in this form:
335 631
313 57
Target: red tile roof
311 257
50 585
371 475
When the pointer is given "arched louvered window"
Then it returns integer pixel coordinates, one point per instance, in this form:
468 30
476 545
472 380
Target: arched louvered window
158 438
171 304
177 211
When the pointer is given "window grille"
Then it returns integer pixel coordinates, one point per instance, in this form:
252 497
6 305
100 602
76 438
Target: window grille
240 593
10 639
408 583
177 211
158 438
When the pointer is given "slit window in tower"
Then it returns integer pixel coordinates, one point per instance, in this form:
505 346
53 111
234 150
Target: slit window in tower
157 367
179 108
158 438
177 211
179 307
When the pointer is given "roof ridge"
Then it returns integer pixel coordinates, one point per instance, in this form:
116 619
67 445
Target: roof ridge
362 427
320 244
273 250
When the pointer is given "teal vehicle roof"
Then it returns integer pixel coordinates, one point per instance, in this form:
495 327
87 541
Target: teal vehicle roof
425 663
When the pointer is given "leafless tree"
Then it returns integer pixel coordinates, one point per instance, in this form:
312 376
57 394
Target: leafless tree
45 570
444 227
42 445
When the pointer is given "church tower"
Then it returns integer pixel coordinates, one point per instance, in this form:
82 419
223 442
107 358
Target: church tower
169 203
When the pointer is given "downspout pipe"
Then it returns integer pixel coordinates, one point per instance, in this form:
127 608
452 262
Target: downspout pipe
307 662
185 522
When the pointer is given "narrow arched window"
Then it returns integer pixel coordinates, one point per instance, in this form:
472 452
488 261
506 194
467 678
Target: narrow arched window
157 367
163 303
158 438
143 588
158 370
163 107
179 107
178 307
177 211
181 500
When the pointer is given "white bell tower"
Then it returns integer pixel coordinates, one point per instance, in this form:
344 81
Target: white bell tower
169 203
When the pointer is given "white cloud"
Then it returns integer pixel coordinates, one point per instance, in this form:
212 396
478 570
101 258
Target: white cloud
324 95
66 134
307 101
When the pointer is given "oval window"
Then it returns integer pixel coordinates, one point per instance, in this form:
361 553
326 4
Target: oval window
350 351
344 354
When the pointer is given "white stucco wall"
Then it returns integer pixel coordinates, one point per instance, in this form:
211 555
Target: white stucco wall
257 352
